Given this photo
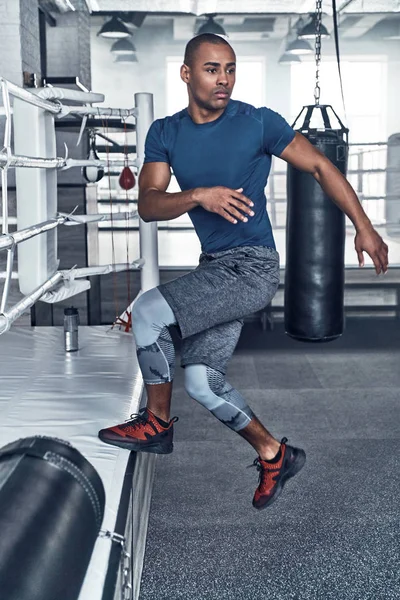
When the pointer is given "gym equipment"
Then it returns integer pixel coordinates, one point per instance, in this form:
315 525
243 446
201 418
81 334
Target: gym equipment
36 181
315 240
315 235
93 174
51 510
126 179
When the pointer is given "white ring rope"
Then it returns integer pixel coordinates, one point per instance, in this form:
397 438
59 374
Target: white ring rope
63 110
9 268
11 315
9 240
7 107
95 218
4 195
5 152
23 94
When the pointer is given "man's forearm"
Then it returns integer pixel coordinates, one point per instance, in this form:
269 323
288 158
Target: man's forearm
155 205
336 186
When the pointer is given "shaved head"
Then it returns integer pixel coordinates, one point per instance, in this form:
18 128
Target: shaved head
194 44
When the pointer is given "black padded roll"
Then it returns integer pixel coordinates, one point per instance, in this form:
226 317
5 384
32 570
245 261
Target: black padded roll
315 242
51 509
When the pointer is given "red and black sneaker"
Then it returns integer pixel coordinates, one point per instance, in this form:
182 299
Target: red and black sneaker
273 475
143 432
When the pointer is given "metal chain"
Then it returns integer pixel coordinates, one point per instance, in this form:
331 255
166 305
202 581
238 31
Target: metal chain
125 563
318 12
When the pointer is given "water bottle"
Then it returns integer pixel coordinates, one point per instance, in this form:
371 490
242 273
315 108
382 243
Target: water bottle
71 322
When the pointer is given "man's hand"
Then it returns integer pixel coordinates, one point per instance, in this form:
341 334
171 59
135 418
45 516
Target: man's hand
224 201
369 240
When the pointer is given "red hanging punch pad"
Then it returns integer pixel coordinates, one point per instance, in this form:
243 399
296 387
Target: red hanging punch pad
127 179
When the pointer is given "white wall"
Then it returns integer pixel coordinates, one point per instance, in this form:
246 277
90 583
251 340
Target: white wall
119 82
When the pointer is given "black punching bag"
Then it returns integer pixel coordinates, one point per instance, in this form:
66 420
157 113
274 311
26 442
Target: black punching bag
315 242
51 509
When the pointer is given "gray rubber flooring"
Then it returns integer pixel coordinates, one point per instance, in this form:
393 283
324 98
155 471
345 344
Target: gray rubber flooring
334 531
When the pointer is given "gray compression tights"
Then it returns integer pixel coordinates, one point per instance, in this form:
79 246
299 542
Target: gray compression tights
151 317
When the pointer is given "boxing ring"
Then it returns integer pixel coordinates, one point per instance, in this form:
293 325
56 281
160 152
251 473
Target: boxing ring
46 391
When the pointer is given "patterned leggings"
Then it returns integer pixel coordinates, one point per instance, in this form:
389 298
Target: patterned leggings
151 317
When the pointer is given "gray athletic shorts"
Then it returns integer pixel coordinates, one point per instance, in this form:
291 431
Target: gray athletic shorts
210 302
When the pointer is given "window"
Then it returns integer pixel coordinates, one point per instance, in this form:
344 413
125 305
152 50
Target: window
364 84
365 90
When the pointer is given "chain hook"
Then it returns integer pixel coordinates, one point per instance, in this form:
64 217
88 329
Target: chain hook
318 13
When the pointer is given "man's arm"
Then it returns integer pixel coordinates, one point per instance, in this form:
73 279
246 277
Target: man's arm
156 204
304 156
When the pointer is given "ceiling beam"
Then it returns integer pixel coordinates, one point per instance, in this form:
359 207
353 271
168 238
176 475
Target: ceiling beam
362 26
344 5
234 20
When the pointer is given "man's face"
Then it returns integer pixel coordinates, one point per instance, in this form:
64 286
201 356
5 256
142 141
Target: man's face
212 76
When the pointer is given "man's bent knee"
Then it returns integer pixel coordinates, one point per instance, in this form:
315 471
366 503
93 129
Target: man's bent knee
150 314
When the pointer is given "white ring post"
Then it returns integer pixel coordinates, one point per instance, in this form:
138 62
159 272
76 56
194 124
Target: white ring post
150 276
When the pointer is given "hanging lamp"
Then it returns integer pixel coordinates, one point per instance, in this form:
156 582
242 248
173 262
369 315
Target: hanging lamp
308 31
123 46
114 29
299 47
287 59
210 26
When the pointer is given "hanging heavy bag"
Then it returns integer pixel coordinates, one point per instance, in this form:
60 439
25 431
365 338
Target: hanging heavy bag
51 509
315 242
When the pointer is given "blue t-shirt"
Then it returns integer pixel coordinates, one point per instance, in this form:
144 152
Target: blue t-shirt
233 151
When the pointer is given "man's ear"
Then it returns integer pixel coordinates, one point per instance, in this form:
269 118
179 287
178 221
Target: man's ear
185 73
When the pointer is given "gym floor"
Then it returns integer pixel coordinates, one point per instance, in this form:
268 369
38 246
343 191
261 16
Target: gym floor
333 533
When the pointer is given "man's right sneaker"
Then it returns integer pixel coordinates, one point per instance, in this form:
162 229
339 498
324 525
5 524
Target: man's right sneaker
273 476
143 432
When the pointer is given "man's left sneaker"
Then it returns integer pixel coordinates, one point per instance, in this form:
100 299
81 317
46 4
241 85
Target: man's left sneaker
143 432
273 476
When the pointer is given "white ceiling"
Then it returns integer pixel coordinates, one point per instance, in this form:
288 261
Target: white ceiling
201 7
262 19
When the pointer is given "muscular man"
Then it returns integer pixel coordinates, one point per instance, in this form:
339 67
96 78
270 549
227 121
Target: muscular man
220 151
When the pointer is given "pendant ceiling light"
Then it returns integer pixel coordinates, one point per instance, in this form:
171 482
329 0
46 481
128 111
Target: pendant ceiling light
287 59
308 31
299 47
210 26
114 29
123 46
